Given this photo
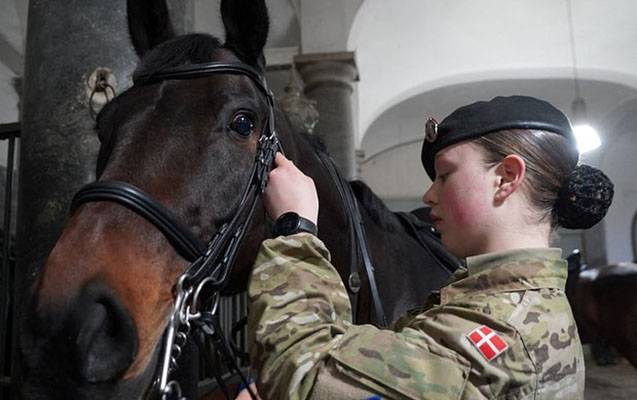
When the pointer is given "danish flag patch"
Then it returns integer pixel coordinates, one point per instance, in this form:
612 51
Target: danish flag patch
488 342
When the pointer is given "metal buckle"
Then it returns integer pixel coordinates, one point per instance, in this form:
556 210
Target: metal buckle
354 282
431 130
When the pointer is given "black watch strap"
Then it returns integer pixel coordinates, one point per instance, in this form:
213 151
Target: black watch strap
291 223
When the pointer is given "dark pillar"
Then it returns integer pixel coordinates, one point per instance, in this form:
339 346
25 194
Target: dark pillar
67 40
328 79
594 243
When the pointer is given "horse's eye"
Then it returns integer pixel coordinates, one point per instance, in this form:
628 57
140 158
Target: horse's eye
242 124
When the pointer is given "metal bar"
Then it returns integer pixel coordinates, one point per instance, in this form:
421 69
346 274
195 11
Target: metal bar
244 333
10 132
8 195
633 236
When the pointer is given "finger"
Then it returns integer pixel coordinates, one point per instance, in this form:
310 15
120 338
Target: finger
280 159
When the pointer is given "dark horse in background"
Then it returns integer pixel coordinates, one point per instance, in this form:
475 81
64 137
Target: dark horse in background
604 303
100 305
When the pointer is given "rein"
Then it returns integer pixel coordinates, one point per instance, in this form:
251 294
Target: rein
198 289
359 248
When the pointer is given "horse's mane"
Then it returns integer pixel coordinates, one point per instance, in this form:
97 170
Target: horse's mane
374 206
193 48
316 142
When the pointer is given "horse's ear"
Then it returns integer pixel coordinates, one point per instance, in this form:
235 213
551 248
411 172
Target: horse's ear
148 24
247 24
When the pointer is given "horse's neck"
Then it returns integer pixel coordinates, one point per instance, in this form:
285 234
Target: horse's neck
397 258
405 272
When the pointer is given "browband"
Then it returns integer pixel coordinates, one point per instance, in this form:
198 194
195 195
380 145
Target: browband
204 70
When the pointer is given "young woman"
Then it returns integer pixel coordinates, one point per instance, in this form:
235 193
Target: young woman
504 174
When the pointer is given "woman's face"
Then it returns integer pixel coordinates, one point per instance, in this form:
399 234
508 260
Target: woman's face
462 199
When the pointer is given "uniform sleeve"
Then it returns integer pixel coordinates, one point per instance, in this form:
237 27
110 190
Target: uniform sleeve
303 344
299 310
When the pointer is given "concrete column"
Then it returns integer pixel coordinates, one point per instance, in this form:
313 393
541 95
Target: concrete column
67 41
329 79
594 244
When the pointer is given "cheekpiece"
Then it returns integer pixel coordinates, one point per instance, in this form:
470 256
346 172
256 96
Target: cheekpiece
483 117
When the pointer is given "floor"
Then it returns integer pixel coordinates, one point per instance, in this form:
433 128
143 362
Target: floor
613 382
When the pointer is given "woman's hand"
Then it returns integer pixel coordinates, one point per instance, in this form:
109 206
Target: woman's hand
289 189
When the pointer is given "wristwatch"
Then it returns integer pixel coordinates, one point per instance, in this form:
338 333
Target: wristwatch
291 223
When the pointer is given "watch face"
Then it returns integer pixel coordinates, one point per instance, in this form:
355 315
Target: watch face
288 223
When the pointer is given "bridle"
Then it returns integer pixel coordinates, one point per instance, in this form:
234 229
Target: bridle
211 263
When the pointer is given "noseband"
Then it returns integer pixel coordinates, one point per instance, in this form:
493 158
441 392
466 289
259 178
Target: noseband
211 263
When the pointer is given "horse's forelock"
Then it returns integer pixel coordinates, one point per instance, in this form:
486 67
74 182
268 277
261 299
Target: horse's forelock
193 48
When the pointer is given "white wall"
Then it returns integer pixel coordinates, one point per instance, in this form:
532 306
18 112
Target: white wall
11 44
12 27
8 96
412 46
619 160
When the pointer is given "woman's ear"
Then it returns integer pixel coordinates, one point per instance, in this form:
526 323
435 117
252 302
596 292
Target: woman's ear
510 174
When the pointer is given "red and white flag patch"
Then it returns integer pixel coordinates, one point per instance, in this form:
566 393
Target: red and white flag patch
487 342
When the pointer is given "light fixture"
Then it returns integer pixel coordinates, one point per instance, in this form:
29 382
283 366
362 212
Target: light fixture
300 110
587 137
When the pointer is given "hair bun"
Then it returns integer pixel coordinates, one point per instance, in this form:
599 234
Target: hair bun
584 198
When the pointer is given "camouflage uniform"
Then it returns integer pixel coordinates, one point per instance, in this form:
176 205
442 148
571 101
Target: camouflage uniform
305 346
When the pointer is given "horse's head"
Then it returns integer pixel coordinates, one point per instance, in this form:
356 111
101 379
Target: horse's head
101 303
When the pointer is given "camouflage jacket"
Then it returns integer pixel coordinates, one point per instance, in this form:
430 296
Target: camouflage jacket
303 344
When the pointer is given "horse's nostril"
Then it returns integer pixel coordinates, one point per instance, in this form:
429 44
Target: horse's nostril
105 335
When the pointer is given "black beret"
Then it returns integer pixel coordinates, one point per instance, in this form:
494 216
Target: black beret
478 119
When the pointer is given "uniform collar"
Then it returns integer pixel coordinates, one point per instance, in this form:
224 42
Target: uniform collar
520 269
482 262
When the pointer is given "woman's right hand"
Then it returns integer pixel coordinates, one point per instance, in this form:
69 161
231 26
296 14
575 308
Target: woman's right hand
289 189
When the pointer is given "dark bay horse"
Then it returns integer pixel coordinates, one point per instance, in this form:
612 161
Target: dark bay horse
605 307
101 303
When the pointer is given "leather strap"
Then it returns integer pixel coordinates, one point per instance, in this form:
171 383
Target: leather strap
359 242
136 200
204 70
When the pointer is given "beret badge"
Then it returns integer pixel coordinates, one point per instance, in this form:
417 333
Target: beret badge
431 130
